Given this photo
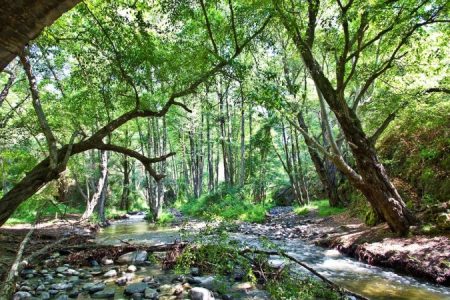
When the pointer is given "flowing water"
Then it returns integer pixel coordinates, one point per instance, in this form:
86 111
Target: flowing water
372 282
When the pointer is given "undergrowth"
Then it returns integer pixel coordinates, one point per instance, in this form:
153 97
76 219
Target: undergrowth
225 205
223 257
322 207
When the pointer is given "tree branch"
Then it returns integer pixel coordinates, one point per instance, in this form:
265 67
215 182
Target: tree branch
7 86
208 27
437 90
50 138
233 25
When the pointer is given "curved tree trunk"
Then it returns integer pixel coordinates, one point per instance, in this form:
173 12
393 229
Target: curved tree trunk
22 21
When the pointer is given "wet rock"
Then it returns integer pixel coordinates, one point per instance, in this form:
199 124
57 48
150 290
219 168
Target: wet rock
52 292
71 272
44 296
61 286
40 287
134 288
208 282
74 279
105 294
62 297
94 263
135 257
193 280
94 287
132 268
25 288
199 293
137 296
74 293
110 273
150 293
22 295
61 269
107 261
96 272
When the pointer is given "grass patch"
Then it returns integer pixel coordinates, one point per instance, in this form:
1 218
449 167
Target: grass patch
322 206
225 205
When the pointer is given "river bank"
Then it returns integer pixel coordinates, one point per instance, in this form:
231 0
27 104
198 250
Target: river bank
420 256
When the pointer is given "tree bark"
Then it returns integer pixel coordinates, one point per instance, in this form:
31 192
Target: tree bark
92 203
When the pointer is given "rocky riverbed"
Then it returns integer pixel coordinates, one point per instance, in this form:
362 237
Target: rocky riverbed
133 275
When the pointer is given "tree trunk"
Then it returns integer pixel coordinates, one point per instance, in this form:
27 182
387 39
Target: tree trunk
242 158
102 202
92 203
124 199
210 155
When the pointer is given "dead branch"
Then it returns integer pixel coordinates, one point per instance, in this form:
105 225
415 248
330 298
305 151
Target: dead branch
302 264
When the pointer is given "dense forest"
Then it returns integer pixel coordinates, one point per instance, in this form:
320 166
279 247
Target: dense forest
221 110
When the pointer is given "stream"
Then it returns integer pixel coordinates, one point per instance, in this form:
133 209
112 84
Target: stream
370 281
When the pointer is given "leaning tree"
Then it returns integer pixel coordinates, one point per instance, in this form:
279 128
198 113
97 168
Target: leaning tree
352 31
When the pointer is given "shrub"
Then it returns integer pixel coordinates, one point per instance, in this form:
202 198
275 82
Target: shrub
225 205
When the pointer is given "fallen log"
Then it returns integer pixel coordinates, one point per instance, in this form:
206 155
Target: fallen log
328 282
84 254
8 286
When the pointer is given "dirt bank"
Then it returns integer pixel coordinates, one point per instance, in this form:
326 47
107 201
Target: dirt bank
46 233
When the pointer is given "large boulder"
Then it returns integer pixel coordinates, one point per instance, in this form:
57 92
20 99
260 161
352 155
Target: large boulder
443 221
284 196
135 257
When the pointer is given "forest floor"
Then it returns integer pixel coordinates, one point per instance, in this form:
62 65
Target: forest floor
425 256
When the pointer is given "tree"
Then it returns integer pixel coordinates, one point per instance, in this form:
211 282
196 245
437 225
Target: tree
371 178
